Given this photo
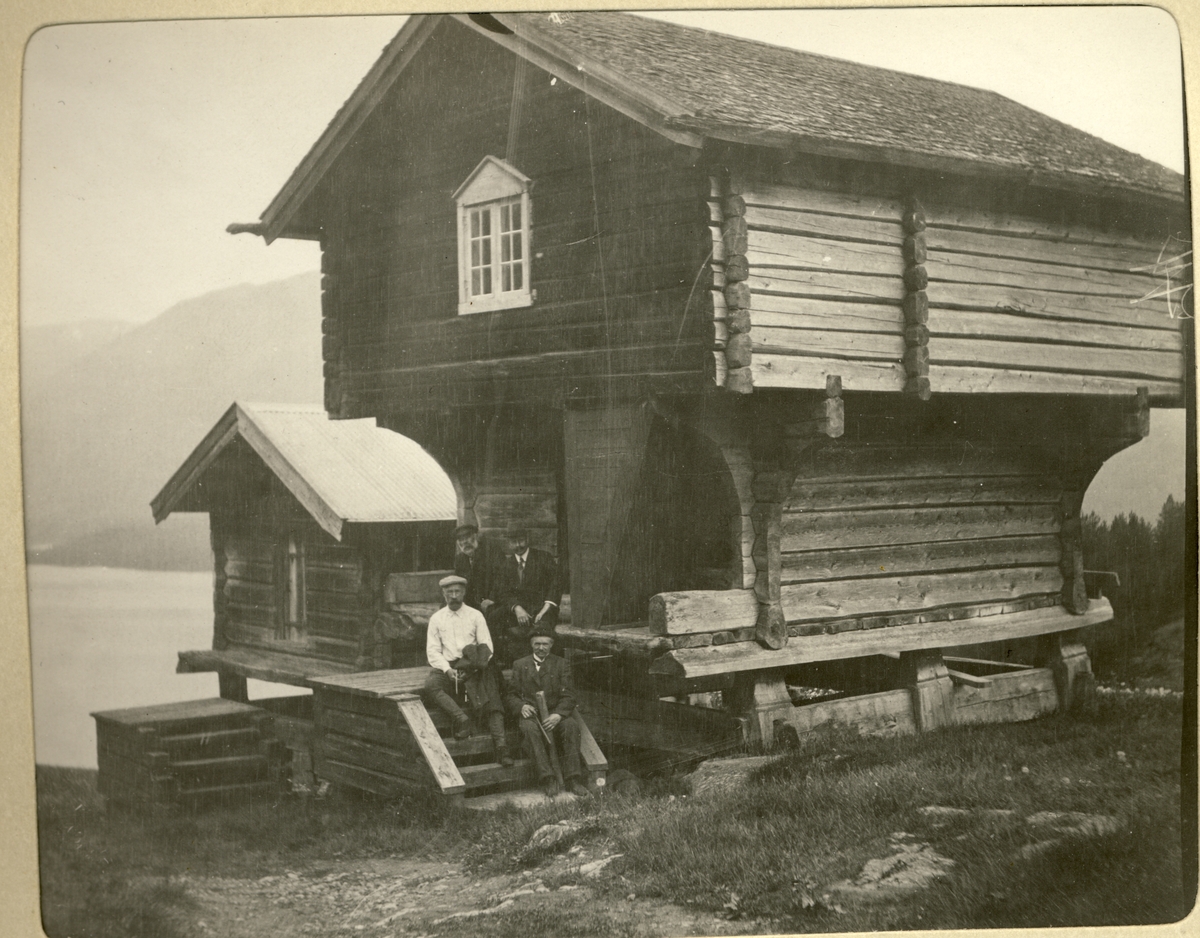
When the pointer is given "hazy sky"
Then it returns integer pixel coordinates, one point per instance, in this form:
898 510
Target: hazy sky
142 141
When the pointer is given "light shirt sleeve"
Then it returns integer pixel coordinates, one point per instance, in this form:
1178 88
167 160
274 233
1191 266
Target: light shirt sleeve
433 644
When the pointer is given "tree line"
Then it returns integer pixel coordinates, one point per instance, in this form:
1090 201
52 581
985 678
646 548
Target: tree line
1149 559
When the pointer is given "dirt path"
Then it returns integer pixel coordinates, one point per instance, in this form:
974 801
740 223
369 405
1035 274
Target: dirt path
403 897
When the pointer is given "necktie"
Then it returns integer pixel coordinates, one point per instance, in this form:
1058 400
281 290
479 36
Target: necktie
520 569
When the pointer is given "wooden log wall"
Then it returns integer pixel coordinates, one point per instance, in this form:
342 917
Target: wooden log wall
1020 305
823 286
615 243
868 532
340 601
898 295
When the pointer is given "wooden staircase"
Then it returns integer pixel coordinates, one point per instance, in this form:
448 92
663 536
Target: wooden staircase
188 755
372 731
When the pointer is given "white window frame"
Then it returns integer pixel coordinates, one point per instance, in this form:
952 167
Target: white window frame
492 186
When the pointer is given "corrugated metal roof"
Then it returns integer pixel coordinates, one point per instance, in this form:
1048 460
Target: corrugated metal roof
340 470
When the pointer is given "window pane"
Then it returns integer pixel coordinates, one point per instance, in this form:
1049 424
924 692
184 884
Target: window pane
505 218
474 253
506 248
516 246
506 278
486 221
474 224
516 217
487 280
475 282
486 247
517 276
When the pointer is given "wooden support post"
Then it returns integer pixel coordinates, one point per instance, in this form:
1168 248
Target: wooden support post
932 689
770 489
1074 591
1068 659
760 698
232 686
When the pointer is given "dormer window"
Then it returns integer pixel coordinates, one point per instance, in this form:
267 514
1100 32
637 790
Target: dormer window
493 238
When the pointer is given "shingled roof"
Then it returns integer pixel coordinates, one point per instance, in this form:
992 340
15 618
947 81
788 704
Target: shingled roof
726 83
695 85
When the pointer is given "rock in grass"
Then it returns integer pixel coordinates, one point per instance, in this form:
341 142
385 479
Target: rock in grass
910 867
717 776
551 837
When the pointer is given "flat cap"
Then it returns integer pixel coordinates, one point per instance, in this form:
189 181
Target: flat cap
464 529
452 580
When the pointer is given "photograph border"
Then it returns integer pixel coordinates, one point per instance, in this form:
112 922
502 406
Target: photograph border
19 895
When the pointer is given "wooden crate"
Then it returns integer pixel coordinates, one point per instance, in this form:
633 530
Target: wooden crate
188 754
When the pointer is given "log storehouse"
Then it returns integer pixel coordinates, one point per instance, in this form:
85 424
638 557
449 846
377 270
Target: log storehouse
800 367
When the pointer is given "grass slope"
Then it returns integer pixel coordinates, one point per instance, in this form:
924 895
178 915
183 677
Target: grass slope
759 853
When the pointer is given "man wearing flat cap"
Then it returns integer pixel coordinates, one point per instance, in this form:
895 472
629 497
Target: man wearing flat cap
452 629
477 558
549 675
527 596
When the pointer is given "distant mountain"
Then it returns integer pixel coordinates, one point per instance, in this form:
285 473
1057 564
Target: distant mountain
109 413
51 349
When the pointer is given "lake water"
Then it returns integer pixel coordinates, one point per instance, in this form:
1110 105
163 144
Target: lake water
103 639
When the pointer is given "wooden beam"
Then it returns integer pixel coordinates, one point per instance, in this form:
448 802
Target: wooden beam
969 680
440 762
684 613
745 656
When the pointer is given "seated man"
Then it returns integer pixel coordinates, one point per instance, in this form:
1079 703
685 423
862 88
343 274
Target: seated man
527 596
451 629
476 558
550 674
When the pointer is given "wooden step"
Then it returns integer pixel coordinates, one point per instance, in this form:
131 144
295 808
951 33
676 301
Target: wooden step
231 769
521 774
210 743
481 745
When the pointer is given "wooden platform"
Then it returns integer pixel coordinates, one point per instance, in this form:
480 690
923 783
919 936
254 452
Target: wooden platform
372 731
274 666
691 663
185 754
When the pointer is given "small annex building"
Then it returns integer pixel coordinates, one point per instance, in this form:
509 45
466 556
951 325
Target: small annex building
328 540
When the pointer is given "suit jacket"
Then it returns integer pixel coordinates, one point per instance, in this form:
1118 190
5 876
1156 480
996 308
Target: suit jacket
539 584
480 569
554 679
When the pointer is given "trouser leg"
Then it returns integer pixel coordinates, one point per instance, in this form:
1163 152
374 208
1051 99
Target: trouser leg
437 692
568 734
495 723
536 744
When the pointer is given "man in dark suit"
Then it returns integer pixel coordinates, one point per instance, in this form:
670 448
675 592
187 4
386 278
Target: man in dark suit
550 674
478 559
527 596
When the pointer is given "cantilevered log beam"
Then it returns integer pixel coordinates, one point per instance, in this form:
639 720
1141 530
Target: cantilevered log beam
747 656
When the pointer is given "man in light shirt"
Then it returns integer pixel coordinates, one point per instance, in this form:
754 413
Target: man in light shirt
451 629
